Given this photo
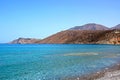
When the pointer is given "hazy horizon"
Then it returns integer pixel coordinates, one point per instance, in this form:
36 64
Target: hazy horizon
39 19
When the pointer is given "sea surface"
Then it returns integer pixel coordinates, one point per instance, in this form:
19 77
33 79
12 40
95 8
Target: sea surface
54 61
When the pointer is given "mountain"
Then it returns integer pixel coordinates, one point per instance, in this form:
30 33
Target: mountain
87 34
84 37
116 27
90 26
24 41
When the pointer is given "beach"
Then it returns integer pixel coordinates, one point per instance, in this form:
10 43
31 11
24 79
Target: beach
115 75
110 73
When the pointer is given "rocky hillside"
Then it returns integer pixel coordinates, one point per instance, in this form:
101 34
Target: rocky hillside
90 26
24 41
87 34
84 37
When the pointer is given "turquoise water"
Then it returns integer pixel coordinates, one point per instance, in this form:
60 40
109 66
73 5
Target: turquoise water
54 61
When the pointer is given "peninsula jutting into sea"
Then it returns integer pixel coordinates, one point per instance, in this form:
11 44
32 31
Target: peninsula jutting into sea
91 33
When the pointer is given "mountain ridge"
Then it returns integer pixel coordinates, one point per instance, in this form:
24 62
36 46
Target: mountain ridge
94 26
90 26
87 34
83 37
116 27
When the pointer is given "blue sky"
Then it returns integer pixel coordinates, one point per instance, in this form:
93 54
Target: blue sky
41 18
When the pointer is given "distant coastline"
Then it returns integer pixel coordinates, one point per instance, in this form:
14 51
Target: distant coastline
87 34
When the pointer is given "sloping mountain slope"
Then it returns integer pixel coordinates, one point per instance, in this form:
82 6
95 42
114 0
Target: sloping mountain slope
90 26
116 27
87 34
84 37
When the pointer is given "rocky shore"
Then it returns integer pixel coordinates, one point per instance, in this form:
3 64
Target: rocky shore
110 73
115 75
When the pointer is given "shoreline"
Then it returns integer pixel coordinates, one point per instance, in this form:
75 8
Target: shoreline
108 73
103 74
113 73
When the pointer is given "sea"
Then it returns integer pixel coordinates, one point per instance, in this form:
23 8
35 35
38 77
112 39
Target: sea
54 61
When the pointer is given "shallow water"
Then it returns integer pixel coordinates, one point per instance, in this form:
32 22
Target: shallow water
54 61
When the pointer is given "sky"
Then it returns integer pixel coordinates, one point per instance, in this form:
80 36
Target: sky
42 18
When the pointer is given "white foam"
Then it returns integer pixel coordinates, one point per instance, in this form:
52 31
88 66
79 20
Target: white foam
81 54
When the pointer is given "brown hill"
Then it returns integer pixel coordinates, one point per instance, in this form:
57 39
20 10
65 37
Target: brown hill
24 41
90 26
87 34
84 37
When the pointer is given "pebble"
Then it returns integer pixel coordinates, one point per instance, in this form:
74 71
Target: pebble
115 75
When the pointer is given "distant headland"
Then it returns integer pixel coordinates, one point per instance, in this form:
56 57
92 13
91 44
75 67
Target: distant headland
91 33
